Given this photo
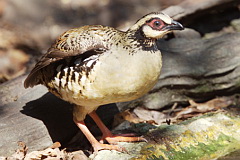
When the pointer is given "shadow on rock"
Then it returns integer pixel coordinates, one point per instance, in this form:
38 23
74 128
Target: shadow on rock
56 115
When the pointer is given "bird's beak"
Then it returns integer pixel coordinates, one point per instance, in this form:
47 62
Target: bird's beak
174 26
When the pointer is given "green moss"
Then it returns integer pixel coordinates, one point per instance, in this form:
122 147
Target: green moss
205 138
153 157
201 151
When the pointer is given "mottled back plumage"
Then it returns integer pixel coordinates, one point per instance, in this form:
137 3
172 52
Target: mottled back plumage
71 43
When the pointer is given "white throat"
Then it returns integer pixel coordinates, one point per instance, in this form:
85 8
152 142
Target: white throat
151 33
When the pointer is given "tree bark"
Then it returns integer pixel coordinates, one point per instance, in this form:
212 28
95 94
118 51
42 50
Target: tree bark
207 137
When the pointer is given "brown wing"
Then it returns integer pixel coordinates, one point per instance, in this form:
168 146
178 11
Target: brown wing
70 43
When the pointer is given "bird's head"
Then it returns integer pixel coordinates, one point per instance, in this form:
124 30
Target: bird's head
155 25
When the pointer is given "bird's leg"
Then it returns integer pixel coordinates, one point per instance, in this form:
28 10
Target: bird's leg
96 145
108 136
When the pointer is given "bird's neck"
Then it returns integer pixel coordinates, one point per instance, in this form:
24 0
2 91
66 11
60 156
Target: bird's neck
145 43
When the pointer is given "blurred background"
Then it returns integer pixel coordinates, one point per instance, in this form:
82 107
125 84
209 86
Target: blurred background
27 28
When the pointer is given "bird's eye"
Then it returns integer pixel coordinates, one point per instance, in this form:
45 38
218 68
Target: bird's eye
157 23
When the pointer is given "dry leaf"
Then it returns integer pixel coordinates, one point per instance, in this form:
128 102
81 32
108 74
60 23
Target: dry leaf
126 115
199 108
150 116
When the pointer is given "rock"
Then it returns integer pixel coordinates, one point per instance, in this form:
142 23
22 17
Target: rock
207 137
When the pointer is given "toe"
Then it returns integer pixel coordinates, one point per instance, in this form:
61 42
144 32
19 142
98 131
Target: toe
97 147
115 139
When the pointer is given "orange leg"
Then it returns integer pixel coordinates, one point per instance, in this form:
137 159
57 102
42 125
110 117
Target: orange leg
96 145
108 136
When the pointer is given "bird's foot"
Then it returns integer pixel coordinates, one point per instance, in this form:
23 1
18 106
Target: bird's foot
113 139
99 146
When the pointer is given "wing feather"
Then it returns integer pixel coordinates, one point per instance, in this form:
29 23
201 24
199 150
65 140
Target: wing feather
70 43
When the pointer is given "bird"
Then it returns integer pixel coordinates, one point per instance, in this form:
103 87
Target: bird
94 65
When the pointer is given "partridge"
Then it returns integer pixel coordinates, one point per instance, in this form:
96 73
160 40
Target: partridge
95 65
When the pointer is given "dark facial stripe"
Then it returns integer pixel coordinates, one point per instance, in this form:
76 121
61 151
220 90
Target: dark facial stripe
147 44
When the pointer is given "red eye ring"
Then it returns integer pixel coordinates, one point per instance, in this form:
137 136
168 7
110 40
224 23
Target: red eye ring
156 24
